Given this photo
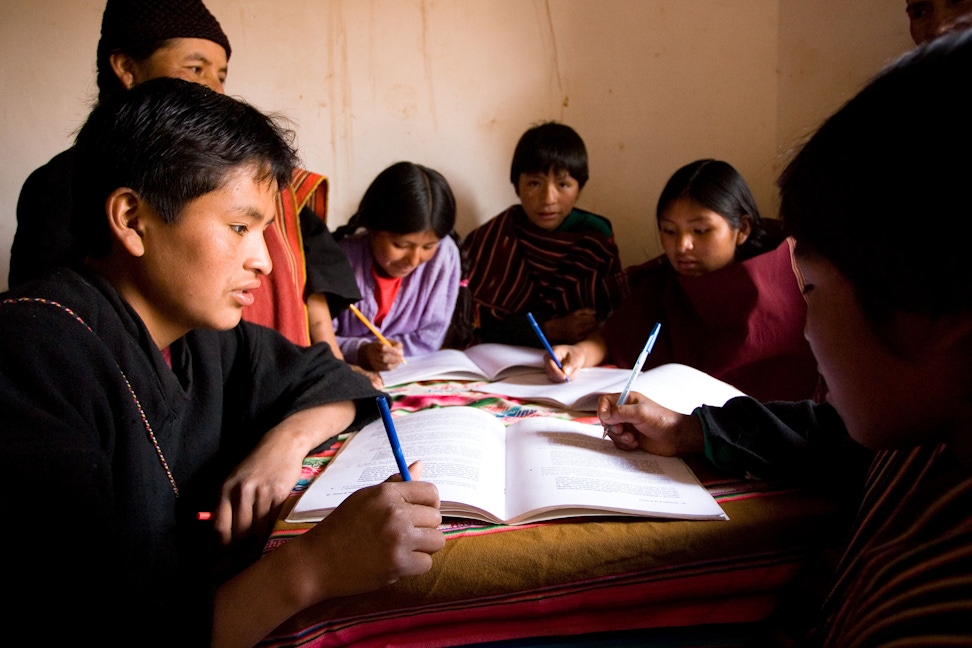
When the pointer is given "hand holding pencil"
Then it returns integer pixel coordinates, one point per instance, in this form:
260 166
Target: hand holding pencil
383 354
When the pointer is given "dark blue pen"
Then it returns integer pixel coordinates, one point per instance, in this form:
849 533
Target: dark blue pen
543 339
386 418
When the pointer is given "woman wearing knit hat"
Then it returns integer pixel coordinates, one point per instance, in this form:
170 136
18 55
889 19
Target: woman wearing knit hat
147 39
142 39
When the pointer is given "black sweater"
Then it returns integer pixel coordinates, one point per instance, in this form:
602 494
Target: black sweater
97 544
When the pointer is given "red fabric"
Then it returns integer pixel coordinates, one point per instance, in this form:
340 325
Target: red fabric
279 302
742 324
386 289
708 594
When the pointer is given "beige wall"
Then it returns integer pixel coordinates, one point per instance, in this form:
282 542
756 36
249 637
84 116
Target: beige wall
827 51
649 84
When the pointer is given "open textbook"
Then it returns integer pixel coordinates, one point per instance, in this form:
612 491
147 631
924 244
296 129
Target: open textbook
479 362
676 386
536 469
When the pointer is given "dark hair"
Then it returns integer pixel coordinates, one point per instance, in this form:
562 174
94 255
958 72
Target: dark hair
170 141
550 146
405 198
108 81
717 186
886 178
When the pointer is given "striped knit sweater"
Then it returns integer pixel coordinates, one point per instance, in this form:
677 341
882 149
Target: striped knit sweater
906 576
515 267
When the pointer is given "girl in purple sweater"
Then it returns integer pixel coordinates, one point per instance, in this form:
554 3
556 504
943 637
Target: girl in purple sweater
401 246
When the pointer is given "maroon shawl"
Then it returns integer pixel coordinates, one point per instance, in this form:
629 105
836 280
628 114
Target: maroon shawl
742 324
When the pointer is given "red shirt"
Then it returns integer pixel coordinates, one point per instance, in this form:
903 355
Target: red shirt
386 289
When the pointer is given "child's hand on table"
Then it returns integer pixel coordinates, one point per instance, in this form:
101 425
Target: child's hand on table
373 376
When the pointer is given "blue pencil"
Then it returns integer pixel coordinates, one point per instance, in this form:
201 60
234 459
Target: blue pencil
546 345
386 418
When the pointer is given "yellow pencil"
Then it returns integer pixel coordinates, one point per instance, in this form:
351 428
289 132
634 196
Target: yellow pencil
372 328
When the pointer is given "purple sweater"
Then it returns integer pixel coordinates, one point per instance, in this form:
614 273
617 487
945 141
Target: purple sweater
422 311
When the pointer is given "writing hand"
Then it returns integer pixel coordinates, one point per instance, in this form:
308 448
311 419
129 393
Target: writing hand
641 423
380 533
383 357
572 359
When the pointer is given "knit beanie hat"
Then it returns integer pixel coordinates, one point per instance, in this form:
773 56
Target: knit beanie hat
132 24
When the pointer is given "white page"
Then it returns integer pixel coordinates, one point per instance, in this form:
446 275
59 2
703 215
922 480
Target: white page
537 387
498 360
553 464
446 364
682 388
462 450
479 362
677 387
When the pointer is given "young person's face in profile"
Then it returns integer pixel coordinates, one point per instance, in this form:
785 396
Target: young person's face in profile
191 59
886 399
697 240
199 271
929 19
547 198
398 255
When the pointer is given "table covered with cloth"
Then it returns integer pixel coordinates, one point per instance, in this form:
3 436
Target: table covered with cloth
576 576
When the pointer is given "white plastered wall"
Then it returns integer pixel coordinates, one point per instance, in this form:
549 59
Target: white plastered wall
649 84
